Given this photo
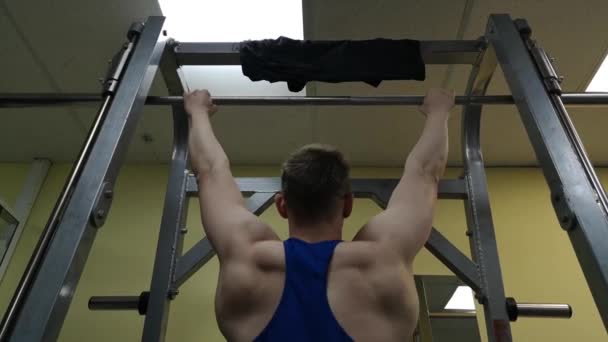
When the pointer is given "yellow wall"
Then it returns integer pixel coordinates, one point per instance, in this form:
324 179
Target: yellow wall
538 262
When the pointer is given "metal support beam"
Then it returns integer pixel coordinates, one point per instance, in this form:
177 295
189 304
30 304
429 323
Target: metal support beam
139 303
46 303
171 235
202 251
544 310
437 244
579 204
432 51
7 215
29 192
25 100
379 190
361 187
425 329
454 259
477 207
114 303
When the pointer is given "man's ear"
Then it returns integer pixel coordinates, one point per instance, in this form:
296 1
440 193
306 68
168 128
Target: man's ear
348 205
281 204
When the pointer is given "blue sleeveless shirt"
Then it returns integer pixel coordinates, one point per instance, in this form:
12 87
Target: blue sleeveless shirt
303 313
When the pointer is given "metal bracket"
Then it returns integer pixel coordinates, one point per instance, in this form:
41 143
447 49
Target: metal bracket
102 205
545 66
135 30
119 61
543 61
522 26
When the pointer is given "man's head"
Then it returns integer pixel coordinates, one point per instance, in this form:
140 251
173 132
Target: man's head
315 186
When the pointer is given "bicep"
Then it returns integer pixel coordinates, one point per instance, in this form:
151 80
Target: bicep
406 223
228 224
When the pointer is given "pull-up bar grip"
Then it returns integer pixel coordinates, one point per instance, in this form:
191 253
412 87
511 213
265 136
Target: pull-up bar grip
516 310
27 100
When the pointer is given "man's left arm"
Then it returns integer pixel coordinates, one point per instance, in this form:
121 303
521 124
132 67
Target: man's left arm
229 225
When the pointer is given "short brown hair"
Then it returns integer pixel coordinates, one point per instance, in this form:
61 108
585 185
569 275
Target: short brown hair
313 179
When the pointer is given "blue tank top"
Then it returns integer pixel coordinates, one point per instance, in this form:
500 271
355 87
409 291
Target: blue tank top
303 313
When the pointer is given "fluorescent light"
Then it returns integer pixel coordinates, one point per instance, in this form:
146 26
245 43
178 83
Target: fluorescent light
462 299
599 83
232 21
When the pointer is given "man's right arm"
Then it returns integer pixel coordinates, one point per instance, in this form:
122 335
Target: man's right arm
406 223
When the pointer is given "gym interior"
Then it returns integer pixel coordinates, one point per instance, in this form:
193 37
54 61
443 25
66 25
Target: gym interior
549 254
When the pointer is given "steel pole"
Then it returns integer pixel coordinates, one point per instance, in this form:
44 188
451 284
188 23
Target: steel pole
34 263
35 100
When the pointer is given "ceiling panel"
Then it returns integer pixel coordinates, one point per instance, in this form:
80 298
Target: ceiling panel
75 38
29 134
19 68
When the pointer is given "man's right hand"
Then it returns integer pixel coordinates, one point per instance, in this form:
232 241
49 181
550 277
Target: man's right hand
438 100
199 102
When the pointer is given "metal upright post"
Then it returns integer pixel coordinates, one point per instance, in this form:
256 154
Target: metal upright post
172 228
46 302
477 207
577 196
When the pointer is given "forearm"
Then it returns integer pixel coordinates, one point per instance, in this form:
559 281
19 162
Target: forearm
430 153
206 153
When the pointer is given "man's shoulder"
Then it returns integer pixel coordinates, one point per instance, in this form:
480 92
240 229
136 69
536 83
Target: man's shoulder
364 254
268 255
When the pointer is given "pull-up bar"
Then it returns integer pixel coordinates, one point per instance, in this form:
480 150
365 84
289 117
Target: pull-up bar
33 100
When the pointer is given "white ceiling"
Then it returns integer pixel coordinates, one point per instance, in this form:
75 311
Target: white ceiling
63 45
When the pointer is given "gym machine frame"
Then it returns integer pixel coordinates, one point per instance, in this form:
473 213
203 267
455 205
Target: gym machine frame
41 301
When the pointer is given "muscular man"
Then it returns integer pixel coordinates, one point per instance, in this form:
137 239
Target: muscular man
313 286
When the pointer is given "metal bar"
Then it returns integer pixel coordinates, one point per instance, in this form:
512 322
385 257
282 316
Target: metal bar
544 310
454 259
425 329
378 190
139 303
516 310
208 53
480 230
584 98
35 260
7 214
6 100
361 187
454 314
202 251
47 302
437 244
574 197
432 51
41 99
171 235
191 261
114 303
31 188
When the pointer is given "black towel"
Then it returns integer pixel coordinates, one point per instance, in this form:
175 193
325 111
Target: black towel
301 61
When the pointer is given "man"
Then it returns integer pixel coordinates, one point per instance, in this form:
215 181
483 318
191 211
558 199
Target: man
313 287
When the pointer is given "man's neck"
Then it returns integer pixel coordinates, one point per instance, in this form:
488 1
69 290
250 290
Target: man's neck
322 231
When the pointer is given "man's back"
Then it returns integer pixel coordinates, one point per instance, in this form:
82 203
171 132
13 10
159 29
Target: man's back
365 287
370 293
